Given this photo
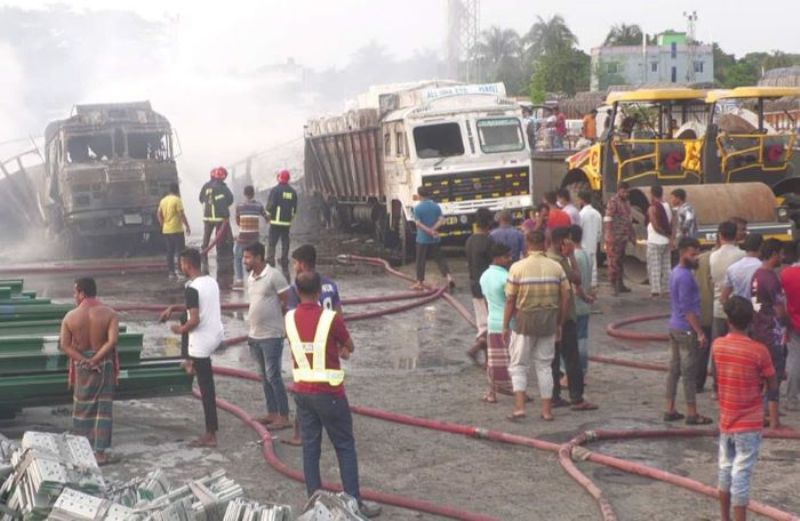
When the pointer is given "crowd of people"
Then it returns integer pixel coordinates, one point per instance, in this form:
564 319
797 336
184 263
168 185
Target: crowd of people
735 307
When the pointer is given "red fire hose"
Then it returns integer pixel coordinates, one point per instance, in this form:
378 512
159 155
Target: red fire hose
614 329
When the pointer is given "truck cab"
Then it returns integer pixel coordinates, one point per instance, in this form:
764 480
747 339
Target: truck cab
106 169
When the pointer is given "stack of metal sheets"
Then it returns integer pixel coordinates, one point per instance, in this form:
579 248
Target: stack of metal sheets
43 466
72 505
242 510
138 490
204 499
7 448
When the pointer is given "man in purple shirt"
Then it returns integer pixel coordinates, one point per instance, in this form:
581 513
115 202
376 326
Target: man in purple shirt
685 334
508 235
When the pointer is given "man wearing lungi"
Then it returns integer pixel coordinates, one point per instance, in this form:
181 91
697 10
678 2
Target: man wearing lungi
89 338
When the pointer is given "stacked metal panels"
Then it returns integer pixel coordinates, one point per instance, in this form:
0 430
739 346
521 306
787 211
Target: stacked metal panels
243 510
77 506
43 466
7 448
33 370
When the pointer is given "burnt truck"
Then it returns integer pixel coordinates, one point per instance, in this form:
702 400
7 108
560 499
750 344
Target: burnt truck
464 142
106 168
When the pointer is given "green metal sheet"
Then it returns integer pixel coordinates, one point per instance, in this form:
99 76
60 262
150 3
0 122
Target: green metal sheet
14 284
23 301
5 292
42 311
36 327
19 362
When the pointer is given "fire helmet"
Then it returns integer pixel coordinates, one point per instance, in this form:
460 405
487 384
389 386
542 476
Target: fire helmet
219 173
284 176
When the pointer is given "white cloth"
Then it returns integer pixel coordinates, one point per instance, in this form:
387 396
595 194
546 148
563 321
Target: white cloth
520 350
720 260
592 224
481 316
207 336
574 214
265 314
653 237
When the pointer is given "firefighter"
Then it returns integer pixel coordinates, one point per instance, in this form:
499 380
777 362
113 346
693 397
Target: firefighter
281 207
216 198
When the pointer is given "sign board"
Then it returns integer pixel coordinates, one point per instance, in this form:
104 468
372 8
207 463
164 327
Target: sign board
490 89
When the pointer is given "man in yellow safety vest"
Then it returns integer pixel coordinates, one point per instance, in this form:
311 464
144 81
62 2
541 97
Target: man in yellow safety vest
318 339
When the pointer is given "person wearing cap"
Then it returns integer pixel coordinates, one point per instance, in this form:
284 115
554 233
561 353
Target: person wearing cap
216 198
281 208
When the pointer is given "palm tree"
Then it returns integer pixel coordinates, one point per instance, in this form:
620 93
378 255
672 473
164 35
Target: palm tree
547 37
498 45
623 34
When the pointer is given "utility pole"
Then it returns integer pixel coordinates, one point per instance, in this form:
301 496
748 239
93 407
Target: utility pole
463 32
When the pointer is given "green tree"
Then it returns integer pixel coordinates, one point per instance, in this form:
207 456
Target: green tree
500 56
563 72
549 36
624 34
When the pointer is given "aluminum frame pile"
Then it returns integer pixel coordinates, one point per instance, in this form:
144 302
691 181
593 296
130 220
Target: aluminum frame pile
46 464
138 490
243 510
7 448
204 499
72 505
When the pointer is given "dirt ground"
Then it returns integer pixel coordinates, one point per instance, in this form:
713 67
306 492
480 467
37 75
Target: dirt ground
414 363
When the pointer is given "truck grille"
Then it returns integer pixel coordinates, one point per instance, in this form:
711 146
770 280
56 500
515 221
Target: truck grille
468 186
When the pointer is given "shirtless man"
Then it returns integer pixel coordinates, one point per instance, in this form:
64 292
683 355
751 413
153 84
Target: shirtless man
88 337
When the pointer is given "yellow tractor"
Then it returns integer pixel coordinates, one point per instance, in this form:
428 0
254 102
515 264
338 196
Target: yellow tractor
658 136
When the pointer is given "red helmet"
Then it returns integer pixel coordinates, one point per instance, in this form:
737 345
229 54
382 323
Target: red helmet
219 173
284 176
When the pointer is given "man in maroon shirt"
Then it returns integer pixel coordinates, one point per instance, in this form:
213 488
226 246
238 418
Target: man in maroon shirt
318 339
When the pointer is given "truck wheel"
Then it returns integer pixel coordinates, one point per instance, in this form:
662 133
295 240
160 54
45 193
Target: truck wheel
408 245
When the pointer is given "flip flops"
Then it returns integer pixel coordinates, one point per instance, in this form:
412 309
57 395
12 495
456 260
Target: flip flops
698 420
673 416
516 417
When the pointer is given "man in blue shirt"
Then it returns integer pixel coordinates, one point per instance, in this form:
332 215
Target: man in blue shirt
508 235
685 333
428 218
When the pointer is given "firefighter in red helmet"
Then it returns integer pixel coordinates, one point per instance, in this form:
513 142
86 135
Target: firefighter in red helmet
216 198
282 207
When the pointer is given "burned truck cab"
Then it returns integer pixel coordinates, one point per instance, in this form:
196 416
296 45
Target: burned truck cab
106 169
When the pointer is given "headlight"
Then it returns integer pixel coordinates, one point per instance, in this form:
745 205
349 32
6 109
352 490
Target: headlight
463 219
782 213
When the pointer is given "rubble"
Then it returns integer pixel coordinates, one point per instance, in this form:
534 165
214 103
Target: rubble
327 506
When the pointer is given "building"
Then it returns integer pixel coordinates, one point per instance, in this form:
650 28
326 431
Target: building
674 59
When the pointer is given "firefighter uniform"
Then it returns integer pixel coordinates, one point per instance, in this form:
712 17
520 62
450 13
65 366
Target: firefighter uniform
216 199
282 207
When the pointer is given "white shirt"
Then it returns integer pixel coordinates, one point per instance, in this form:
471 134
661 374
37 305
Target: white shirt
592 224
574 214
653 237
265 314
720 260
207 336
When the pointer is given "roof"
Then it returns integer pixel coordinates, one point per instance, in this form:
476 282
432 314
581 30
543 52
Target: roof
676 94
752 92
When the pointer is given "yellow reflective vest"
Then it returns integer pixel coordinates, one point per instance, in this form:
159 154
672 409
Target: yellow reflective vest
316 371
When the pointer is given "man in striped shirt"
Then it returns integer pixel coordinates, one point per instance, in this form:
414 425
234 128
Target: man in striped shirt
742 367
248 218
538 299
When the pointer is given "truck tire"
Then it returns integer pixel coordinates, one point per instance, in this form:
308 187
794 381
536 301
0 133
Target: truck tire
408 243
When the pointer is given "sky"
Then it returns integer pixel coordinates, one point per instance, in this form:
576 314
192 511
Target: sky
322 33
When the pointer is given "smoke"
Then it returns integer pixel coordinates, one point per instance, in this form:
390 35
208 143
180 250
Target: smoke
14 115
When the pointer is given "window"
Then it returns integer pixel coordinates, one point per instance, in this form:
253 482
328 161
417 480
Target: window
673 50
151 145
387 144
500 135
440 140
653 66
84 149
613 67
400 142
698 67
674 74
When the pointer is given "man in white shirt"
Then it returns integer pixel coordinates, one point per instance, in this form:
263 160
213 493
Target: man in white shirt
564 201
267 291
202 334
592 224
659 236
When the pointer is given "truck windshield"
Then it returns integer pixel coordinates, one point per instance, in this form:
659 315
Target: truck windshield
151 145
83 149
441 140
500 135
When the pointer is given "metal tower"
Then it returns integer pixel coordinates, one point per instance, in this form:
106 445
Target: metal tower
691 42
463 32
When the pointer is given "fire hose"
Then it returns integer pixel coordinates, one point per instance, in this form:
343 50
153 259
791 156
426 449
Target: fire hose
566 451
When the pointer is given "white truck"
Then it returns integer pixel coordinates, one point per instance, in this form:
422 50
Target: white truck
465 142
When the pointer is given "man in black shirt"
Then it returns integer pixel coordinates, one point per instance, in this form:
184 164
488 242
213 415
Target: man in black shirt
478 260
281 207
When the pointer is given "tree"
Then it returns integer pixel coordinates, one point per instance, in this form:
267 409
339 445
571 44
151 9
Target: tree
499 53
623 34
564 72
547 37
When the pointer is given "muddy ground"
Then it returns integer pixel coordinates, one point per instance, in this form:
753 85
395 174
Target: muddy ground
414 363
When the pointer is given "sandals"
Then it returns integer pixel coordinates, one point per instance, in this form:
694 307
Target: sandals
489 399
698 420
516 417
673 416
584 406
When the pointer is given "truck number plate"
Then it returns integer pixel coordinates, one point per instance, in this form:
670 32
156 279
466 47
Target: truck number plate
132 218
